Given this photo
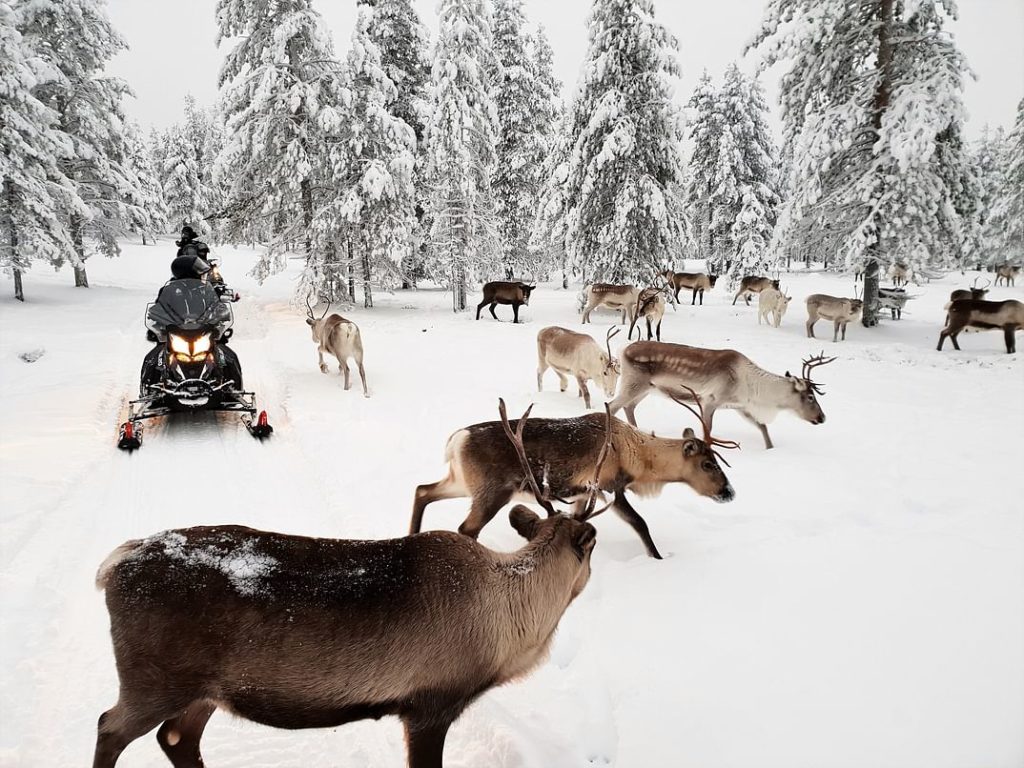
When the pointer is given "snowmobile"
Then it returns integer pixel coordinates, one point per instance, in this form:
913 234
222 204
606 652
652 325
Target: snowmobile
191 367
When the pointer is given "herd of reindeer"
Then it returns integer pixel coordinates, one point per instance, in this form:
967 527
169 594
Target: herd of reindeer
297 632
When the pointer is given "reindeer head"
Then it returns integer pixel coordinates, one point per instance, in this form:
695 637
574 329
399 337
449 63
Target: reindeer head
805 391
527 289
561 532
315 323
713 279
612 367
856 305
706 477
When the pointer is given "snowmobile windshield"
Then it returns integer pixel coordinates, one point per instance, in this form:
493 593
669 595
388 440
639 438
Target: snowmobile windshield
188 305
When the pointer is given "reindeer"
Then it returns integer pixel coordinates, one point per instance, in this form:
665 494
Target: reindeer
499 292
900 273
752 284
774 302
723 378
983 315
620 297
650 305
1007 274
839 311
577 355
562 453
296 632
339 337
974 292
698 282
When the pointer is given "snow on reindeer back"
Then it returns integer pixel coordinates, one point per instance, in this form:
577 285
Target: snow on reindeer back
244 567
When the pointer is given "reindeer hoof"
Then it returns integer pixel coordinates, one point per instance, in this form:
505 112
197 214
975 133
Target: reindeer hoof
323 368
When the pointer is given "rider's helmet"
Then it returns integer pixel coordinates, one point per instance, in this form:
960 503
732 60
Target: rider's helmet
187 234
189 268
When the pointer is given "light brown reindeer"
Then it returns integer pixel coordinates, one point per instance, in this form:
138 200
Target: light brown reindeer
839 310
620 297
650 305
295 632
900 273
1007 274
753 284
340 338
774 302
698 282
563 453
722 378
577 355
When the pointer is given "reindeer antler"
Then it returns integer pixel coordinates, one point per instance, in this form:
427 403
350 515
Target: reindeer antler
517 442
709 439
594 487
309 309
612 333
809 365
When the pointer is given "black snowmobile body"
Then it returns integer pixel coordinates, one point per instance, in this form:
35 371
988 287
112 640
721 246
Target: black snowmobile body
191 367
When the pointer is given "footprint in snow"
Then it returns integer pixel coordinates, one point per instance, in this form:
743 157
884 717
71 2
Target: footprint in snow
32 355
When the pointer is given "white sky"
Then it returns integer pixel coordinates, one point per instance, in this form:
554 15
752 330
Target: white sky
173 52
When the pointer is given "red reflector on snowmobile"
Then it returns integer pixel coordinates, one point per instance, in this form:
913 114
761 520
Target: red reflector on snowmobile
262 420
129 430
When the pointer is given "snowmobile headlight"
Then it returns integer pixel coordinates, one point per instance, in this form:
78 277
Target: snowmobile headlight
180 345
201 345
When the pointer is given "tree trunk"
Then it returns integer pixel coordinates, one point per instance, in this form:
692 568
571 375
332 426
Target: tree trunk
307 219
351 272
367 294
81 278
883 96
19 293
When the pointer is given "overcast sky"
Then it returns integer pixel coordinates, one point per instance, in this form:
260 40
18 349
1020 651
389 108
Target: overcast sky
172 51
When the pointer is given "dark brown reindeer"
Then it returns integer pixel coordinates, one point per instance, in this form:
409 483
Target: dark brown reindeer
698 282
563 452
501 292
752 284
296 632
983 315
723 378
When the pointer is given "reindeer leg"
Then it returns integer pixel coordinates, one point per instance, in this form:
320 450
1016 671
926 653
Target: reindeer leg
1009 335
624 510
584 391
563 381
835 331
480 306
428 494
515 313
486 503
630 395
649 331
493 305
179 737
760 426
343 367
320 357
122 724
424 739
659 330
810 328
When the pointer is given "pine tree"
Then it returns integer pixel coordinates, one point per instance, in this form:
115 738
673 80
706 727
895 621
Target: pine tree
705 133
372 160
870 89
141 159
34 188
1006 227
274 82
78 40
521 149
989 160
461 137
623 219
181 179
402 39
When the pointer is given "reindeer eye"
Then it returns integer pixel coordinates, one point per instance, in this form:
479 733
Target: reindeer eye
707 466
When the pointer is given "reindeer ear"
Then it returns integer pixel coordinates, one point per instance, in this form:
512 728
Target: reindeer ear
583 539
524 520
688 433
309 321
788 375
691 445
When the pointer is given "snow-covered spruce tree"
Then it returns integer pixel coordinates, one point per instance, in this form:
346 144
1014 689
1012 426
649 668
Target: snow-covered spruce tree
34 188
403 42
461 136
77 39
181 178
141 159
622 221
274 82
705 133
1006 225
988 154
372 158
521 148
869 89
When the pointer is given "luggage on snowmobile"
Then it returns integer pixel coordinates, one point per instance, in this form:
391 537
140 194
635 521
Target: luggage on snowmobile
191 367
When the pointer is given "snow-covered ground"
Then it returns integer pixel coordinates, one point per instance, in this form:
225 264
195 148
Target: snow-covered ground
860 603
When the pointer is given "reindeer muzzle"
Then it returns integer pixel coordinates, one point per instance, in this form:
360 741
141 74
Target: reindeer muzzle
725 495
819 420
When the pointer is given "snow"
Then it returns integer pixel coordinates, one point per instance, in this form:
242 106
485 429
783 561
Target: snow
858 604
